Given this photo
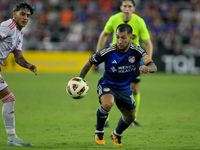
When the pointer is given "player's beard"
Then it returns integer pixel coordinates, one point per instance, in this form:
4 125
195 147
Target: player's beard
123 50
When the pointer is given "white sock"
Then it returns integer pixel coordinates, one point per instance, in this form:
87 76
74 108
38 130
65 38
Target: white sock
9 119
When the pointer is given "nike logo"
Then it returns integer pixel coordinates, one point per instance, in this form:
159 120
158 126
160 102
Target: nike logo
12 112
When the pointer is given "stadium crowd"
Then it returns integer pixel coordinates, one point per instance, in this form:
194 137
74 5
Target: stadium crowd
76 24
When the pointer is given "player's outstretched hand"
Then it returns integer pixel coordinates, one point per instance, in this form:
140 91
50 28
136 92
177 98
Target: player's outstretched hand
32 68
144 69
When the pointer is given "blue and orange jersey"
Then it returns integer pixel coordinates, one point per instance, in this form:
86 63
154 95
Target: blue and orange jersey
120 68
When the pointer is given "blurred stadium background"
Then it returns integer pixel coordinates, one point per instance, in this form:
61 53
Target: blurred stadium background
61 36
75 25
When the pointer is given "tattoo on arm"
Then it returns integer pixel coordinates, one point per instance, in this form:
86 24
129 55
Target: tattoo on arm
85 69
152 68
20 59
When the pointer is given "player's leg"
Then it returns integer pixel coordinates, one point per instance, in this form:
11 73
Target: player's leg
136 94
123 123
8 100
107 101
127 117
107 124
126 104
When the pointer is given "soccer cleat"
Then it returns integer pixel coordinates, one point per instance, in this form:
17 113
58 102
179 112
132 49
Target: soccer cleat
18 142
134 123
116 139
99 139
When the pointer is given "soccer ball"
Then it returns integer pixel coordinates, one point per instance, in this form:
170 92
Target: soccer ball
77 88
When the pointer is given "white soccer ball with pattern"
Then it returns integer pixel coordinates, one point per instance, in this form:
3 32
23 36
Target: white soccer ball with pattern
77 88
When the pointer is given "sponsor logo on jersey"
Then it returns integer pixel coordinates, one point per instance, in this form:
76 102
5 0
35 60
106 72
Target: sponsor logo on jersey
131 59
113 69
126 69
123 69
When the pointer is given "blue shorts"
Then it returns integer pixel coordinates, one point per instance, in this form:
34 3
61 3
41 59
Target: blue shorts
123 98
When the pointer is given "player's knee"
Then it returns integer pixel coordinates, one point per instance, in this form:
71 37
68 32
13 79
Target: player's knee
8 98
107 101
133 118
129 118
108 105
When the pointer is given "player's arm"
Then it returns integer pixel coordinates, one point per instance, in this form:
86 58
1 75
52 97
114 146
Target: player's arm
145 36
149 47
85 69
22 62
102 40
150 68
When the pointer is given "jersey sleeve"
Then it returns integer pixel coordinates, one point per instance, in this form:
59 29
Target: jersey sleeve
4 31
144 33
96 59
141 53
20 42
109 25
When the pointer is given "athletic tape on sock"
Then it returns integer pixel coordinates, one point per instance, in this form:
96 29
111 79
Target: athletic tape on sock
10 131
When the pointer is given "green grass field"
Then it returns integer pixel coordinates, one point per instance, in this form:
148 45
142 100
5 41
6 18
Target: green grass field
47 117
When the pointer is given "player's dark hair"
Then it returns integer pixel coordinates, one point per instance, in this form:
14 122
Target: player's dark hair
128 0
23 5
124 27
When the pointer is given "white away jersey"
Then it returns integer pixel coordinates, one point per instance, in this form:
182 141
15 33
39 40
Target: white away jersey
11 39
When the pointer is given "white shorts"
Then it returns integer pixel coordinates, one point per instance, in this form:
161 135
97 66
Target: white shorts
3 83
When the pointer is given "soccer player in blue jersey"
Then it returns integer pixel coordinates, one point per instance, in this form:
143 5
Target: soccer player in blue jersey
121 61
140 31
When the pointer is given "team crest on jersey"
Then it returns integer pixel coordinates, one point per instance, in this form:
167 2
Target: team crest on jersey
2 80
131 59
106 89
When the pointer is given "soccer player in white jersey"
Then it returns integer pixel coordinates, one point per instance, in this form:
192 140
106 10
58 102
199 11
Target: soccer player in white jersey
11 38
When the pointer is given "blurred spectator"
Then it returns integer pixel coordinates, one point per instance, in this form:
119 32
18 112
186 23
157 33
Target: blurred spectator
66 16
83 2
106 5
76 24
